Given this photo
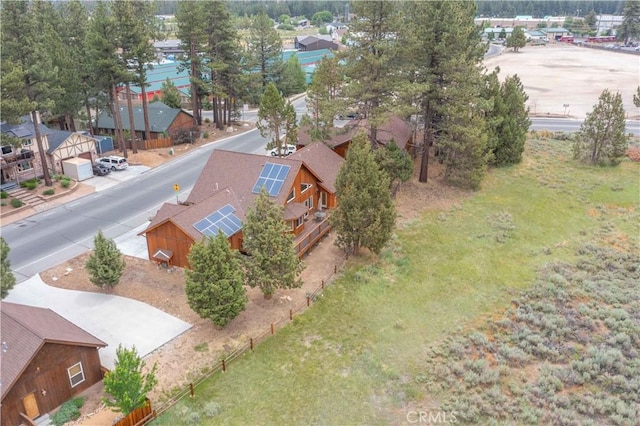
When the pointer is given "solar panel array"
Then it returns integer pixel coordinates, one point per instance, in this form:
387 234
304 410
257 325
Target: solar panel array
20 132
272 178
222 219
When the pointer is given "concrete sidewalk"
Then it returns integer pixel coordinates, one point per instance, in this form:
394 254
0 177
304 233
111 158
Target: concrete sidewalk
114 319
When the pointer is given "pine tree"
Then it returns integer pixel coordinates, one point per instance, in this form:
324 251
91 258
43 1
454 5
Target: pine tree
636 97
7 279
293 79
25 36
517 39
451 79
105 264
365 215
510 122
324 96
630 27
272 262
127 384
264 47
396 162
223 61
169 94
274 114
372 62
214 281
602 139
191 20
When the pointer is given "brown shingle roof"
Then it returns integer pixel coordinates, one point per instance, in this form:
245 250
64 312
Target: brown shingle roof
394 128
25 329
229 178
322 161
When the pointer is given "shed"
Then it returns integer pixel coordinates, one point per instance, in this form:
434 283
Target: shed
45 359
77 168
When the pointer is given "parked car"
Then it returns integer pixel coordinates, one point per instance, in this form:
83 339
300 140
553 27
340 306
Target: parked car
114 162
99 169
286 150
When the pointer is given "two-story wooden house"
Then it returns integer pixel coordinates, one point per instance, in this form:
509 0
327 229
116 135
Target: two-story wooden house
303 183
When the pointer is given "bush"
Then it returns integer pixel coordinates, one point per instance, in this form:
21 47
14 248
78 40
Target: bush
16 203
205 135
3 195
49 191
212 409
184 135
66 182
29 184
69 411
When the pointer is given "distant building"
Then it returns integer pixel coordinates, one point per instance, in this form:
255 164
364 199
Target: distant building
315 42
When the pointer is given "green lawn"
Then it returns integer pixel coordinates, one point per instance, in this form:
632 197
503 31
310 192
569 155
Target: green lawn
358 355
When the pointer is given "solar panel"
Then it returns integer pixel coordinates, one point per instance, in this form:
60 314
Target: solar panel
222 219
20 132
272 178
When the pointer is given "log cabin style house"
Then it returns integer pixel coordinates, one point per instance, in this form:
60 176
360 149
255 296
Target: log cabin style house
46 360
303 183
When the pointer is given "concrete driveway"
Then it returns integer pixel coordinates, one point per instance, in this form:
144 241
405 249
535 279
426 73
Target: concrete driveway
113 319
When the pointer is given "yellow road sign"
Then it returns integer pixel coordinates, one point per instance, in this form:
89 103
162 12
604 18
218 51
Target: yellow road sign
176 187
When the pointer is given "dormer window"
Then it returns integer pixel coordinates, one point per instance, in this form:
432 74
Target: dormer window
27 142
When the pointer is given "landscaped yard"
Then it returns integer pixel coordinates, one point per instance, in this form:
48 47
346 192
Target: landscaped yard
363 353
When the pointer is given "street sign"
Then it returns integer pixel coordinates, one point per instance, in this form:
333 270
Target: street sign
176 187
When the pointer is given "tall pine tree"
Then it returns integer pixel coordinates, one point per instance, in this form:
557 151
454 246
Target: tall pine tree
214 281
365 215
272 262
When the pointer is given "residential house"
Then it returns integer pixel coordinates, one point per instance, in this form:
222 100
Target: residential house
394 128
22 163
303 183
555 33
64 145
163 120
314 42
46 360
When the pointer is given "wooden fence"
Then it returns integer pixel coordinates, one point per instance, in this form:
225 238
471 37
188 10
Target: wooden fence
139 416
157 143
223 365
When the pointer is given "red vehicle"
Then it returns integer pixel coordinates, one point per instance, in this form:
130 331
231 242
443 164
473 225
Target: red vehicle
566 39
601 39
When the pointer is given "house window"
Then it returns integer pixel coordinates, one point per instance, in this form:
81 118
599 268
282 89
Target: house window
7 149
304 187
76 375
323 200
292 225
309 203
292 195
23 165
299 222
28 142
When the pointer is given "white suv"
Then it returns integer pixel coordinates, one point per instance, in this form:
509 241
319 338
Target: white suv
285 150
114 162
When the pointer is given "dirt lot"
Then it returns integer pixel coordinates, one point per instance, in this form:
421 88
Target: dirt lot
559 74
552 76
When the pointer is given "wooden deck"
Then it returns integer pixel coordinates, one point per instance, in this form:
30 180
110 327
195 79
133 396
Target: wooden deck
314 230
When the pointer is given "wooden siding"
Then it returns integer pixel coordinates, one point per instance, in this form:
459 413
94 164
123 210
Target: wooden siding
305 176
169 236
182 121
47 377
